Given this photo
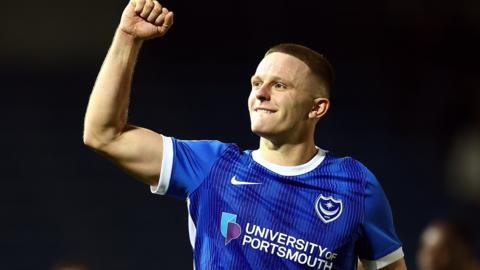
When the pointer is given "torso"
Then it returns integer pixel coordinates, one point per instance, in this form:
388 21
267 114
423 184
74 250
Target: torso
306 221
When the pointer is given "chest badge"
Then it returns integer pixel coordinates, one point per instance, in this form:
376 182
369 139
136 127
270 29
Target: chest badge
328 208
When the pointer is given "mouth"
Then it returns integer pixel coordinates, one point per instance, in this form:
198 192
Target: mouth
264 110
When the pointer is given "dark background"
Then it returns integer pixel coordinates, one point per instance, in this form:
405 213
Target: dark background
406 84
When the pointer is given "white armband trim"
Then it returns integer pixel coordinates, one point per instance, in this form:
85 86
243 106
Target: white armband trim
166 170
384 261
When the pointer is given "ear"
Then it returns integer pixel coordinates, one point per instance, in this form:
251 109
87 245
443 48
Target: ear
320 108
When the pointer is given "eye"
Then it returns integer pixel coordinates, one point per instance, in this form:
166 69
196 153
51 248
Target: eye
280 85
256 84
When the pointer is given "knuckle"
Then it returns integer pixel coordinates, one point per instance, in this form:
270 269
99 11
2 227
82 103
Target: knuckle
157 9
149 4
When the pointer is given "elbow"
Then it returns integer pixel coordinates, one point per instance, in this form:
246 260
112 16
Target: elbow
92 141
100 137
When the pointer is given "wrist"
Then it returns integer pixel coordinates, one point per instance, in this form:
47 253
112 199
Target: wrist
125 46
127 39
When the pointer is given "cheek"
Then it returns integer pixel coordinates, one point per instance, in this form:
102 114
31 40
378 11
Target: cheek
305 106
298 107
251 99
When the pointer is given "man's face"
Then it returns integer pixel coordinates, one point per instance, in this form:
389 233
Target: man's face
280 100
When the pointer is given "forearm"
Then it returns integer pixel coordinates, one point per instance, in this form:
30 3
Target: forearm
106 115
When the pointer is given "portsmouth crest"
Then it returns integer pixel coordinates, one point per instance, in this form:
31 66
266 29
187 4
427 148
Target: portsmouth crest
328 208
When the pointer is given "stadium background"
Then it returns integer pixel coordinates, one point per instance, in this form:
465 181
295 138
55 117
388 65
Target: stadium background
406 87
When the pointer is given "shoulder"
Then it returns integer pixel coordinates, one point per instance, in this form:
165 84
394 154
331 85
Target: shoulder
349 167
200 143
204 146
205 149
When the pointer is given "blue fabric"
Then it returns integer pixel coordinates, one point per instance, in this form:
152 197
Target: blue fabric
378 235
192 162
322 219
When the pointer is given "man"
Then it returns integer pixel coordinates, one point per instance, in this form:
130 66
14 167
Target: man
446 245
287 205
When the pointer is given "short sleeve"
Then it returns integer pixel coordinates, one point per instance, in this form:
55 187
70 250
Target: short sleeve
378 245
185 164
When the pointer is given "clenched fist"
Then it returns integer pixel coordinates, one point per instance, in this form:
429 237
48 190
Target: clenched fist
145 19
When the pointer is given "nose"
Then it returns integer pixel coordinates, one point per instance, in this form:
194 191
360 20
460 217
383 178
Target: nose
263 93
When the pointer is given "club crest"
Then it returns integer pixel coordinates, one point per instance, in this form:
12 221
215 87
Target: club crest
328 208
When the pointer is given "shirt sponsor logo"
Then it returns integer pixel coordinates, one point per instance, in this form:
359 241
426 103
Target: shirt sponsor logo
237 182
328 208
278 244
229 228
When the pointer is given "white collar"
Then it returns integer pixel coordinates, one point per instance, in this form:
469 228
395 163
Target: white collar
291 170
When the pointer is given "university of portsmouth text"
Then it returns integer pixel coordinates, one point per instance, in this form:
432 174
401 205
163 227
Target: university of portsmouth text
288 247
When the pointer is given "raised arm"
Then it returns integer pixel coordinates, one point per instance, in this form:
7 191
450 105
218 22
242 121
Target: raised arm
136 150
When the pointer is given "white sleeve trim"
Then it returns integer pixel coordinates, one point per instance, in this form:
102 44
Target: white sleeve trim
192 229
166 170
384 261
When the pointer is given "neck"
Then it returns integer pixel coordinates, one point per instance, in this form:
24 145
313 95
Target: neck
287 154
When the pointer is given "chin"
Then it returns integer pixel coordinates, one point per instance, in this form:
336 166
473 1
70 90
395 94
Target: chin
256 129
262 131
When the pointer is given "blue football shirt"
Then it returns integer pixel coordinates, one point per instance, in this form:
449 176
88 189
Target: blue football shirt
247 213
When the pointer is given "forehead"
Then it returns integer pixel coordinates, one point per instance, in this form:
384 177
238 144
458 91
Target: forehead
282 65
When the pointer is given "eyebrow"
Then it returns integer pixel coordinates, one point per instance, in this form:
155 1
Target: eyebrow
274 78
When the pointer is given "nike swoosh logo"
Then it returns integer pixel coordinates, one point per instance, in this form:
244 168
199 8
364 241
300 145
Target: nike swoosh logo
237 182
